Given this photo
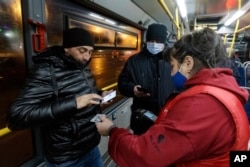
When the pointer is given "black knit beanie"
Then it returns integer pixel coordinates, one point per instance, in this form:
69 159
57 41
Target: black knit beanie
76 37
157 32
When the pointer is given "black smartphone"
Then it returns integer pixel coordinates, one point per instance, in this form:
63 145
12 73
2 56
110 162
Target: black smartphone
145 90
150 115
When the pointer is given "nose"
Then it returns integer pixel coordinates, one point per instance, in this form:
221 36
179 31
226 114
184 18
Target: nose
87 56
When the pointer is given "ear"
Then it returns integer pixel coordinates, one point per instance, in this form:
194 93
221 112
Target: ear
189 61
66 51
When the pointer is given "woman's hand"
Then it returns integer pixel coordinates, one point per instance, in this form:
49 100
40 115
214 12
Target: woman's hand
104 126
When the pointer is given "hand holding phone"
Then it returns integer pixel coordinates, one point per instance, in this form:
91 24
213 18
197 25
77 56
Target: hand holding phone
141 89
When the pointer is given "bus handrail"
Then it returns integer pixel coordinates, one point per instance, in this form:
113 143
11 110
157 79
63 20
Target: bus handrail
4 131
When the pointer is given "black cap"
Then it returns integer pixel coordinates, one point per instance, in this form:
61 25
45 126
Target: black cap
157 32
76 37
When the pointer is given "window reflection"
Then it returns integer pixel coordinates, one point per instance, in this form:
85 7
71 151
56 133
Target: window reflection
102 36
126 40
12 76
12 69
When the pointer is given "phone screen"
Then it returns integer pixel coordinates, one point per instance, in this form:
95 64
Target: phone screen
150 115
142 89
109 97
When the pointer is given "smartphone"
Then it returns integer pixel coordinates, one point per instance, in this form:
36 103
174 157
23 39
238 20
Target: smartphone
109 96
95 118
150 115
141 89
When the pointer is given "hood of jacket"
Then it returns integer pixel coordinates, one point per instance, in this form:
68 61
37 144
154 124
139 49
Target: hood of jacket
218 77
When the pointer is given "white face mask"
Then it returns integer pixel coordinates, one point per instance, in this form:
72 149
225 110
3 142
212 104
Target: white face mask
155 48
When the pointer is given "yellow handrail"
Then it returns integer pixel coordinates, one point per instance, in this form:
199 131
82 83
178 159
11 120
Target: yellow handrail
242 29
177 22
225 38
110 86
4 131
164 6
235 30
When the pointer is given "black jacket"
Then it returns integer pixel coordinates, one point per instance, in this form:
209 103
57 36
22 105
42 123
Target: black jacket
68 132
151 72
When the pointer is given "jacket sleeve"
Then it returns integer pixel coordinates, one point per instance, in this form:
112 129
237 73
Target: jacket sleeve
36 104
154 148
125 80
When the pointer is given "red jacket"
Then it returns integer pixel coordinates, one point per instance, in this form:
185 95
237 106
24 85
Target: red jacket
195 128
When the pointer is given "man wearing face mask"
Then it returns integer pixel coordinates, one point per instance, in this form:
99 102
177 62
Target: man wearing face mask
147 78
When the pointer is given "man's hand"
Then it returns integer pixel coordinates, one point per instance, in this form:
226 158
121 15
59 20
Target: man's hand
87 100
138 93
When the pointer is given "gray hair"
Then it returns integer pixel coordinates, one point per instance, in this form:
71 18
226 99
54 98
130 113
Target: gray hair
205 46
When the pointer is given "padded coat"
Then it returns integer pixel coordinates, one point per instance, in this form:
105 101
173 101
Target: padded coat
66 131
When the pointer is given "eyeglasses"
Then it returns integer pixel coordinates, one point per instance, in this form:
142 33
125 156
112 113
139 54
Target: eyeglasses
83 50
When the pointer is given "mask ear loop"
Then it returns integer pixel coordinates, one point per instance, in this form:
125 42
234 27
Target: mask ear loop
181 72
180 68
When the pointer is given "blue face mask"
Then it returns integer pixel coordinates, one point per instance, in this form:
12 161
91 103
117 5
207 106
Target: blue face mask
179 80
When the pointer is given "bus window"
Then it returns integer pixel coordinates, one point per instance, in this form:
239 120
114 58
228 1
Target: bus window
15 147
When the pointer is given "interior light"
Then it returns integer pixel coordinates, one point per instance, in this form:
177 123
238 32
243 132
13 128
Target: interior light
237 15
182 8
109 21
96 16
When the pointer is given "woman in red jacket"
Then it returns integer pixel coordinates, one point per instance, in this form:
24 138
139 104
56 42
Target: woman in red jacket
198 127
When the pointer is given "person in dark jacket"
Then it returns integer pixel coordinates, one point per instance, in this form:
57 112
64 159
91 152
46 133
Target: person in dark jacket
60 97
147 70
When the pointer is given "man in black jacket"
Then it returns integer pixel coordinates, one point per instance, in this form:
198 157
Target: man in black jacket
60 97
146 77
